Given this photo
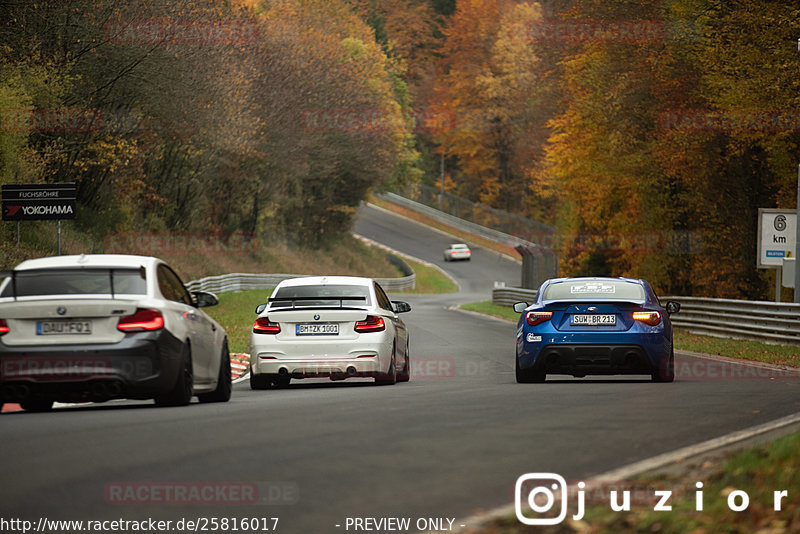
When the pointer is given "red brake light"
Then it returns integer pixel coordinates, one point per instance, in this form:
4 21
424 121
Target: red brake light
536 317
3 327
372 323
141 320
647 317
264 326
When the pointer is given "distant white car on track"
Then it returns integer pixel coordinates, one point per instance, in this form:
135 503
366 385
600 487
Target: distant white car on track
457 251
336 326
105 326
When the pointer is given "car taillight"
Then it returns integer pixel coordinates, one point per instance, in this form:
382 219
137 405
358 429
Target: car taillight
3 327
647 317
141 320
372 323
536 317
264 326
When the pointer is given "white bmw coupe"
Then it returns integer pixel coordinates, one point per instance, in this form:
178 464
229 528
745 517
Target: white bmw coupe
336 326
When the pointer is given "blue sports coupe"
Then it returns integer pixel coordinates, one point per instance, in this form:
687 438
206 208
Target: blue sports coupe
600 326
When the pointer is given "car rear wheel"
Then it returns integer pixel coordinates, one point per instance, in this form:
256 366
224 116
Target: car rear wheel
181 394
37 405
665 371
281 381
405 374
529 376
390 377
224 380
259 381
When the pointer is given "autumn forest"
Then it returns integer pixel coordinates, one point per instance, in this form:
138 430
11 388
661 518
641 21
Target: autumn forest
647 132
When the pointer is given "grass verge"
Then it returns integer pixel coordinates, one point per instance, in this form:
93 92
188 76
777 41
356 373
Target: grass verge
487 308
427 221
429 280
738 348
732 348
758 471
236 313
198 256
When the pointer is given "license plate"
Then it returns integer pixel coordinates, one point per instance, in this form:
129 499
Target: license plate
594 320
318 329
49 328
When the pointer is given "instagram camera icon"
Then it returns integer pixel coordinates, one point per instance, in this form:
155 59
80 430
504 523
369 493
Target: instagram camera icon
547 483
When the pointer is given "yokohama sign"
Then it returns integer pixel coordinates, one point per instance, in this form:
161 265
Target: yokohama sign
37 202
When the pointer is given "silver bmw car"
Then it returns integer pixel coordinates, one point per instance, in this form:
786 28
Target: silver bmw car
335 326
91 328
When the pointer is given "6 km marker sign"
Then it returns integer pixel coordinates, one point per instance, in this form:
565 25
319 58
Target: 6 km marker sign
39 202
776 237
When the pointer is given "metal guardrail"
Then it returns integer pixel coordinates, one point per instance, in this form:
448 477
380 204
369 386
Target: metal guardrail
507 296
455 222
475 212
768 322
243 281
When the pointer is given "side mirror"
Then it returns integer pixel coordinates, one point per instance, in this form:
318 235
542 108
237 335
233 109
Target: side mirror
519 307
260 308
205 299
673 307
400 306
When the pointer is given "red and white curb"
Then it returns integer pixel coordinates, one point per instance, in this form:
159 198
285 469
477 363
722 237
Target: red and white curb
240 364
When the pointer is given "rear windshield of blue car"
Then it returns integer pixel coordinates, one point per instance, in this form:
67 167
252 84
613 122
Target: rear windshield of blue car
593 290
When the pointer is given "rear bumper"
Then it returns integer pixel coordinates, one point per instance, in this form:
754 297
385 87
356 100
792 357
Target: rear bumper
595 359
322 358
142 365
606 354
311 368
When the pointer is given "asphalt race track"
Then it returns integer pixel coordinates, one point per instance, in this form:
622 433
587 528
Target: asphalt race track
445 445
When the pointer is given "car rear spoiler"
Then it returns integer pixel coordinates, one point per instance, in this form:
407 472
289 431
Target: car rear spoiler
13 275
294 300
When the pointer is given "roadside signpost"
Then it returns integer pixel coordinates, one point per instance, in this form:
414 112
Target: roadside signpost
776 241
39 202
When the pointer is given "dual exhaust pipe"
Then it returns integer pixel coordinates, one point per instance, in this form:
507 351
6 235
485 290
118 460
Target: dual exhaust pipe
350 372
98 391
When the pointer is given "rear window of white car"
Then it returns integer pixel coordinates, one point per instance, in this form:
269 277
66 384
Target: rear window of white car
45 282
459 247
321 295
593 290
